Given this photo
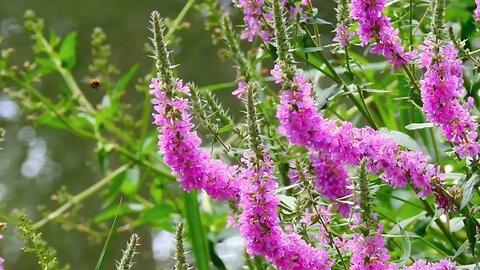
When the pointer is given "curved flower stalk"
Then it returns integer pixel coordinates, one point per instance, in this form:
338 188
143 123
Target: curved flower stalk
441 90
178 140
374 25
259 222
257 17
180 144
332 181
304 126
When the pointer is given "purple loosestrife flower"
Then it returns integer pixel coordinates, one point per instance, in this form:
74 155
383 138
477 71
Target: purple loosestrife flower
303 125
369 252
423 265
258 18
259 223
477 10
240 92
180 144
332 181
441 90
342 36
374 24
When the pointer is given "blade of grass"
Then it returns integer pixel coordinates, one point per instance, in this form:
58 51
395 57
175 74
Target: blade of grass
107 242
196 230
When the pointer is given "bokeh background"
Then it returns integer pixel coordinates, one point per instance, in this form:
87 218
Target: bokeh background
36 160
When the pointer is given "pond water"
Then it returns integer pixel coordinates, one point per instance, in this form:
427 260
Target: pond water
37 160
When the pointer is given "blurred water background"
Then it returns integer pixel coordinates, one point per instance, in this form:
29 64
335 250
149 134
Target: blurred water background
36 160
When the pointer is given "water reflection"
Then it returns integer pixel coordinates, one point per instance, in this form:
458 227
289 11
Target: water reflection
37 160
8 110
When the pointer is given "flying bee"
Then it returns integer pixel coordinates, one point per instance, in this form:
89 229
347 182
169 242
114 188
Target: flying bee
94 82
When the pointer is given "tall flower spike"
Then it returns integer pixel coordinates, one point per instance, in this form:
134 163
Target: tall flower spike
178 140
342 35
164 67
282 40
243 65
259 223
438 23
126 262
237 55
374 25
257 17
368 246
442 89
180 258
255 143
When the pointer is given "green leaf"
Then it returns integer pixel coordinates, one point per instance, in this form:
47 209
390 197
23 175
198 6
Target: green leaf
461 249
108 241
117 211
45 66
401 138
468 188
225 129
196 230
415 126
68 51
131 184
285 188
123 82
318 21
471 233
407 248
456 224
158 216
310 49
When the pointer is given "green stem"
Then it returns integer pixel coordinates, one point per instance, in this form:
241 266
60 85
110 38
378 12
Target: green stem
176 23
435 146
440 225
81 196
196 229
65 73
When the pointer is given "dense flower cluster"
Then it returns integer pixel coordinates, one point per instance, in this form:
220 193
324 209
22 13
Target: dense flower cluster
374 24
257 17
304 126
180 144
441 89
332 181
369 252
423 265
259 223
